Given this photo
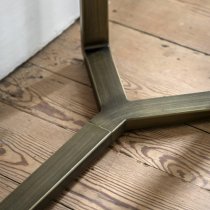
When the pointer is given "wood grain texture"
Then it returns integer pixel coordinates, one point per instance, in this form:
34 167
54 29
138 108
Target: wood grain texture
180 21
55 173
181 151
118 182
7 186
151 67
64 56
57 206
26 142
51 97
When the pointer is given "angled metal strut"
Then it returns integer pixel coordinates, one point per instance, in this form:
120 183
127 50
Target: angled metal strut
117 115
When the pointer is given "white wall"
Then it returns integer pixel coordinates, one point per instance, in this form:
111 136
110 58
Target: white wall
28 25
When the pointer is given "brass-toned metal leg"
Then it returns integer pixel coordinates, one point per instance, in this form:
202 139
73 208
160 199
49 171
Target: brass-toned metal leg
117 115
97 55
104 77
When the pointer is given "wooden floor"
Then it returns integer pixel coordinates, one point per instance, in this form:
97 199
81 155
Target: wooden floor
161 48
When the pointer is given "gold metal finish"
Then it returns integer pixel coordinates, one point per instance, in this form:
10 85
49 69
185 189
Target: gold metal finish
116 116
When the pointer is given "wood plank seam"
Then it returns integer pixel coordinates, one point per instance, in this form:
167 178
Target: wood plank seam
61 75
159 37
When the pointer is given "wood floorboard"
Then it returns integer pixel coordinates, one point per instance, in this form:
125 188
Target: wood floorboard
7 186
26 142
118 182
48 99
185 22
181 151
49 96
